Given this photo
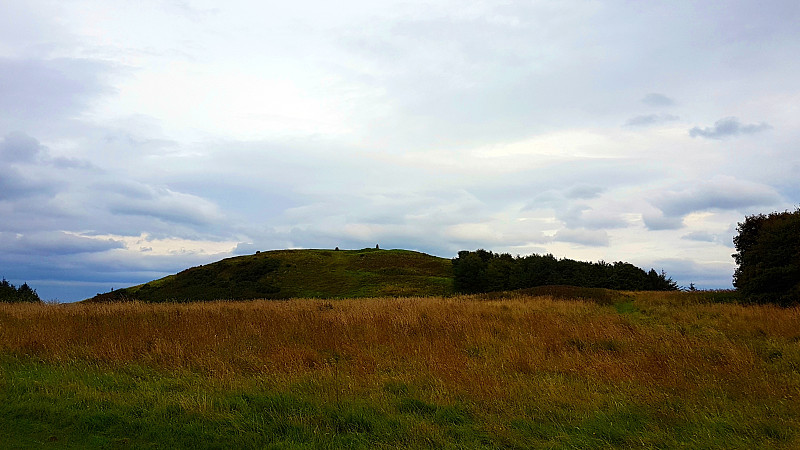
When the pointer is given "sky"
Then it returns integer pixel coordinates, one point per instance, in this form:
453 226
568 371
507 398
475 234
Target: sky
138 139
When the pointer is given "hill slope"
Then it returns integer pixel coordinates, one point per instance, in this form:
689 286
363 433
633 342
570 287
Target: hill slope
282 274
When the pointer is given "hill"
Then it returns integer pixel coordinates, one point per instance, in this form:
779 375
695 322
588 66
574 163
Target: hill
283 274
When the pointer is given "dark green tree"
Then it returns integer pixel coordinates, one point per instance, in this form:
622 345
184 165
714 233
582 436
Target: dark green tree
8 293
469 271
768 258
11 294
484 271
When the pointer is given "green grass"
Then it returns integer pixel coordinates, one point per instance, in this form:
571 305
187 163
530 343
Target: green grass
85 406
615 370
283 274
80 405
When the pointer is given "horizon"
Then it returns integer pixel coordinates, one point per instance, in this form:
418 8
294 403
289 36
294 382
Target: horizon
141 139
55 300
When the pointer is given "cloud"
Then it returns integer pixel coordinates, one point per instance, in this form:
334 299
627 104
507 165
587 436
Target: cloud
163 204
700 236
22 149
584 191
39 91
655 99
656 221
584 216
593 238
721 192
19 147
729 126
27 169
650 119
56 243
425 125
704 275
14 185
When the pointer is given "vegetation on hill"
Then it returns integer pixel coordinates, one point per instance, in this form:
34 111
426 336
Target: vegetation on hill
768 258
614 370
283 274
12 294
485 271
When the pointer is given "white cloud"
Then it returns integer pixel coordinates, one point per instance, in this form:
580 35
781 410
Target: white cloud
201 129
583 237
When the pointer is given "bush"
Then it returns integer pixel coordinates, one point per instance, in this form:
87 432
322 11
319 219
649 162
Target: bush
768 258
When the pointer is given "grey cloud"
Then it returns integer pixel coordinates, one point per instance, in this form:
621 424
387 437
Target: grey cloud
650 119
27 168
700 236
725 193
164 204
585 191
594 238
729 126
656 99
14 185
36 91
703 275
19 147
657 221
72 163
54 243
90 272
725 239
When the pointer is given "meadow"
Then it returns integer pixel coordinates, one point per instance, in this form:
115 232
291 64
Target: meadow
514 370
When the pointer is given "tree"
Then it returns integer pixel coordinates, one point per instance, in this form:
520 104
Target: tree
768 258
11 294
469 271
484 271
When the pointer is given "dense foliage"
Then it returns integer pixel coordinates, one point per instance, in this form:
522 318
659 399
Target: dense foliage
485 271
768 258
12 294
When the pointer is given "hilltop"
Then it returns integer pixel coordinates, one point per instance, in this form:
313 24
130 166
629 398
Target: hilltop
283 274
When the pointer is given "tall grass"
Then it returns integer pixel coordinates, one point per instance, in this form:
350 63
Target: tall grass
654 369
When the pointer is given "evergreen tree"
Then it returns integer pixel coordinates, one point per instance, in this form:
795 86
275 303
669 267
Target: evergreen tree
11 294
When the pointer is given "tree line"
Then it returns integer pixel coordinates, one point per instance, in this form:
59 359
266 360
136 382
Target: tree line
12 294
485 271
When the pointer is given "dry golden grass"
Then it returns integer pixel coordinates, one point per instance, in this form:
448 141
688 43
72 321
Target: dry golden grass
488 350
657 369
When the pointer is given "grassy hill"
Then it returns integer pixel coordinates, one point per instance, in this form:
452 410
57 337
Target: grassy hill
282 274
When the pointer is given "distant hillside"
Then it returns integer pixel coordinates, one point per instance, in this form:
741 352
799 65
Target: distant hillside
282 274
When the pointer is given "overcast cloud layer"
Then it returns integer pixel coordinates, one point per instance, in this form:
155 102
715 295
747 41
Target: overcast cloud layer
141 138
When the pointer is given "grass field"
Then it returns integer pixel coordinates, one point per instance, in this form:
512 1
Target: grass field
617 370
284 274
